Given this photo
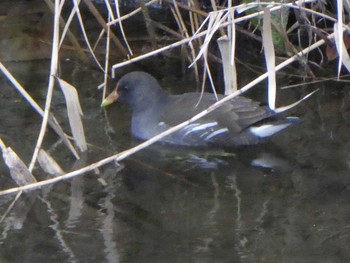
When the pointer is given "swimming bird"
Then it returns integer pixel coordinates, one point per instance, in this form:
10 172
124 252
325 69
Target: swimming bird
239 121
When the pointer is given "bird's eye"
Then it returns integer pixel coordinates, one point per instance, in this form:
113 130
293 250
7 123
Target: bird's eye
124 87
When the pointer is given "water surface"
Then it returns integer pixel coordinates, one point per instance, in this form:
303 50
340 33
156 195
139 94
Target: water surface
169 204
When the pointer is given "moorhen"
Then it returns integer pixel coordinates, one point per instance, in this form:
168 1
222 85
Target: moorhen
240 121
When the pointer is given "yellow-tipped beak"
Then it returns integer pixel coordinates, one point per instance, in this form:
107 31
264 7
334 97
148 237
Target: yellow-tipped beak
110 99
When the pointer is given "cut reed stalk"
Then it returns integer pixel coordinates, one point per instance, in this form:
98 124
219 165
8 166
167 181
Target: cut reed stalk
148 23
51 119
105 27
53 72
80 52
181 24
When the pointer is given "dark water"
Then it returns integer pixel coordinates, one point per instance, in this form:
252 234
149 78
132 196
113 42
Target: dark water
168 204
179 205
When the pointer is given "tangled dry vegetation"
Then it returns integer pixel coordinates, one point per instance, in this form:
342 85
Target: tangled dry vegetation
292 29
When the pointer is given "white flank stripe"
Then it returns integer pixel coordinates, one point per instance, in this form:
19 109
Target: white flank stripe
204 134
216 133
205 126
268 129
199 127
190 127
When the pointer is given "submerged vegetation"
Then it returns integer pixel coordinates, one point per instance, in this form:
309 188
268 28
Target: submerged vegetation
308 33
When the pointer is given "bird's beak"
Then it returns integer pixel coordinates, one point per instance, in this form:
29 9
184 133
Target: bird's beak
110 98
